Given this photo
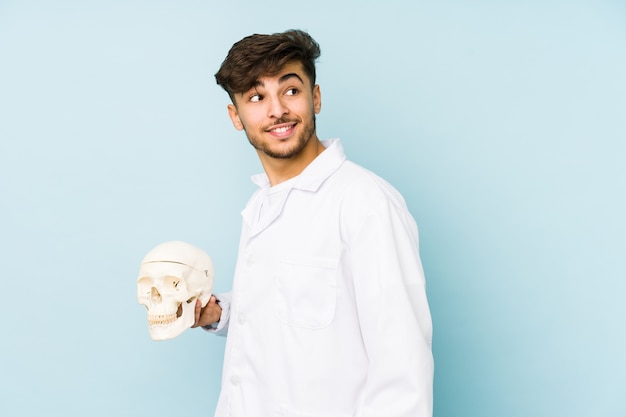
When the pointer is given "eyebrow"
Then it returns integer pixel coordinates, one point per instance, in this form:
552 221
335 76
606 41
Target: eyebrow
281 80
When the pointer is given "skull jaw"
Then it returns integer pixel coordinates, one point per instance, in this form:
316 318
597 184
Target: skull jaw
175 328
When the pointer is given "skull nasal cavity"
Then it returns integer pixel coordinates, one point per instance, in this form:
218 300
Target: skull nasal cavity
156 295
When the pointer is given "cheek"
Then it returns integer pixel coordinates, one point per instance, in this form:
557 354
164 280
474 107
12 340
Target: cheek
305 109
250 119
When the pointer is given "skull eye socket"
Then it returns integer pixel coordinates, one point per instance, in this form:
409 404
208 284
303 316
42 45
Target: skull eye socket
144 284
175 283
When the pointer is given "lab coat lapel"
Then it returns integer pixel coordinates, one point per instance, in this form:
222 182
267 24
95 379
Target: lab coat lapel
309 180
251 214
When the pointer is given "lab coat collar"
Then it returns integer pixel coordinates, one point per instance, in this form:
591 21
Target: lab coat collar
312 177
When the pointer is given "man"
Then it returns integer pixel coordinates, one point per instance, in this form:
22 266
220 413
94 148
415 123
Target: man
328 315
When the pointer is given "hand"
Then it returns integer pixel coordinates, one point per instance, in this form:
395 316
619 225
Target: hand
208 315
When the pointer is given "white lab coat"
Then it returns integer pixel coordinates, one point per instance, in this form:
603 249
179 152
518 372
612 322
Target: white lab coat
329 316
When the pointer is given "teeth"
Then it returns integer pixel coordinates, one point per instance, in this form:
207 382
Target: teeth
281 129
161 319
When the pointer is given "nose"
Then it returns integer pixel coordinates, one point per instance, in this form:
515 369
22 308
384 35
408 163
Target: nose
156 296
276 108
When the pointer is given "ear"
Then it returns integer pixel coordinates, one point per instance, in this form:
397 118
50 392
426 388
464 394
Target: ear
234 117
317 99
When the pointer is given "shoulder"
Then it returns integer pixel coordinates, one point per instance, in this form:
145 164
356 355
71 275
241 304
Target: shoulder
364 186
369 202
366 198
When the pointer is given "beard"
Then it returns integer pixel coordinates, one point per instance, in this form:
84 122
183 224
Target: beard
286 153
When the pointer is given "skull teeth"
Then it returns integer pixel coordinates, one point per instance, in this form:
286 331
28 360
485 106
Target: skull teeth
162 319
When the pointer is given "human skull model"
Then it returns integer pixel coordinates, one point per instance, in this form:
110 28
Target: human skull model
172 277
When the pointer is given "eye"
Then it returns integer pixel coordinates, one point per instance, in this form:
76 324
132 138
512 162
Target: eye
255 98
291 91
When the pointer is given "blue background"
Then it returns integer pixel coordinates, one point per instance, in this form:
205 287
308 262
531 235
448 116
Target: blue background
502 123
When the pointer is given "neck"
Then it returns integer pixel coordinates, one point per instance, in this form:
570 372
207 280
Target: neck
280 170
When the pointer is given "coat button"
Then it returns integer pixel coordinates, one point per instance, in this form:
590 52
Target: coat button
242 318
234 380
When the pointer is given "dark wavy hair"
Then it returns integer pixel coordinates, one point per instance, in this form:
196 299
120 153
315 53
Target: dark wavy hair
256 56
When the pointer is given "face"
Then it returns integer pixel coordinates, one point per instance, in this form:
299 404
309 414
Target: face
278 113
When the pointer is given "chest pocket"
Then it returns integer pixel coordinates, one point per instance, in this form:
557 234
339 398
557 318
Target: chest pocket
306 291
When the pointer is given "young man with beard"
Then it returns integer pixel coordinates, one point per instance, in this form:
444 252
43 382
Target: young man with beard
328 315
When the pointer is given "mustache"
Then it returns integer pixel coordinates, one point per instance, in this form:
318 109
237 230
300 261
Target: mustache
283 120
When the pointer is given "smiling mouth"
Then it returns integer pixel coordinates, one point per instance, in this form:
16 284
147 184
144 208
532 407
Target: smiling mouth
281 129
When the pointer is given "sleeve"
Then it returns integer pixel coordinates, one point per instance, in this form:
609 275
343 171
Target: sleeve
221 327
393 314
